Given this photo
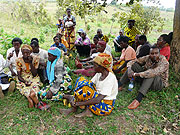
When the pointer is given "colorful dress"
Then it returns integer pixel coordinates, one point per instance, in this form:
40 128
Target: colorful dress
70 31
126 55
86 89
60 86
26 74
131 34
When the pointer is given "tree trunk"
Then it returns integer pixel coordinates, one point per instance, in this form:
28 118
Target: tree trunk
175 46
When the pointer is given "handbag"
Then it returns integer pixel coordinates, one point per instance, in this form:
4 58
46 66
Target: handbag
4 78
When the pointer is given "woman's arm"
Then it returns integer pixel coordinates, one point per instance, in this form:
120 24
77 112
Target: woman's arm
91 101
86 59
20 77
33 70
11 69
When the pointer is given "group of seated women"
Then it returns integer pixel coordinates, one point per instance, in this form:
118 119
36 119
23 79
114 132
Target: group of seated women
41 75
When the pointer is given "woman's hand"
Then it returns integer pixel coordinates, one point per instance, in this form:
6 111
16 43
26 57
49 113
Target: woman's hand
30 58
10 55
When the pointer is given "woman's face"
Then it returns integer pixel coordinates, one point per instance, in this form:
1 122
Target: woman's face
97 68
83 35
35 48
95 40
123 44
100 48
16 45
68 12
160 42
26 53
51 57
56 40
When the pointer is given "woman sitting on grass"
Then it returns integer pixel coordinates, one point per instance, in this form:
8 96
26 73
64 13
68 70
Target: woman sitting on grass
28 80
59 80
88 67
97 95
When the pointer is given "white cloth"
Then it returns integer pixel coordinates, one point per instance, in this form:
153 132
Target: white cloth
12 60
43 54
108 87
3 63
108 48
4 86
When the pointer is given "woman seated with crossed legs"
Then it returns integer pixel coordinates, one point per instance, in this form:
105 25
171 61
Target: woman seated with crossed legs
98 94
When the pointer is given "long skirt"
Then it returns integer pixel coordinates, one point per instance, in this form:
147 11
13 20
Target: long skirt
70 37
65 88
35 84
85 90
118 65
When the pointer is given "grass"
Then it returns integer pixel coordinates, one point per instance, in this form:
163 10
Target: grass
157 114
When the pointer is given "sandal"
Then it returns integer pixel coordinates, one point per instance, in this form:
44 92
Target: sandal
43 106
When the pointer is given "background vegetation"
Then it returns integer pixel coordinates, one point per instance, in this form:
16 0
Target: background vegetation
158 113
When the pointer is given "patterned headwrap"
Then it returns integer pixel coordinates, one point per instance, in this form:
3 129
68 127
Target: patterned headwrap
28 47
50 66
104 60
103 43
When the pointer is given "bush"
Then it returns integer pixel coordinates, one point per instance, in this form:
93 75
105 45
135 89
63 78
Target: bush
26 11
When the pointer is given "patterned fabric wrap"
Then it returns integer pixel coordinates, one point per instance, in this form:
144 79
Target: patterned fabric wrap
28 47
105 38
104 60
70 32
85 90
118 65
131 34
65 88
26 74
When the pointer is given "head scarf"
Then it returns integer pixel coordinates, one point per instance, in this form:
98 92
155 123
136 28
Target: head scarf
103 43
28 47
50 66
104 60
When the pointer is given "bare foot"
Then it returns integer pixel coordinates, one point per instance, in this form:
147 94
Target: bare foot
31 104
67 111
70 99
86 113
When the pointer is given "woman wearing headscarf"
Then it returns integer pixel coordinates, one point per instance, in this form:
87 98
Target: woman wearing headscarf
59 80
83 45
28 80
98 94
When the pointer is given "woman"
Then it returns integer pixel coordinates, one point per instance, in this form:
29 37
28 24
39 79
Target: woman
163 45
28 81
128 54
131 31
70 23
86 64
59 80
94 46
97 95
12 54
83 45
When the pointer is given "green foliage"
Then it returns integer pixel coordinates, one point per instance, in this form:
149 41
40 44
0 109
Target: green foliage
146 18
6 39
26 11
82 8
